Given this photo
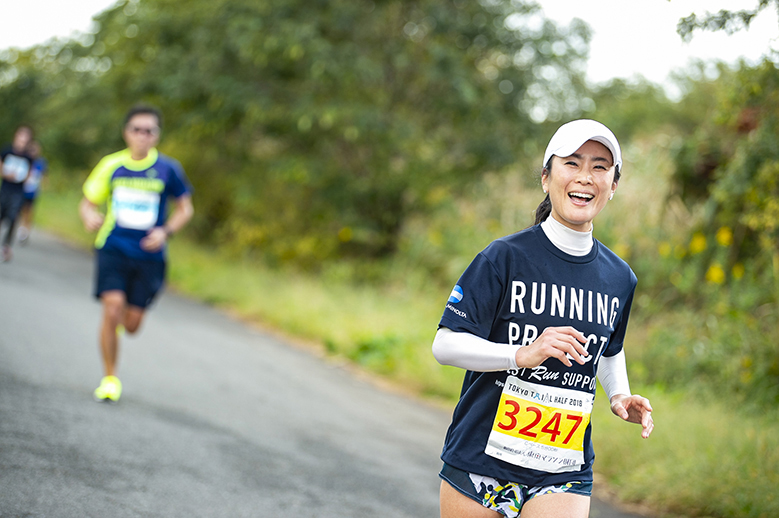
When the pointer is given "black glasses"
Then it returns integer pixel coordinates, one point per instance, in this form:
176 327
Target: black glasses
151 132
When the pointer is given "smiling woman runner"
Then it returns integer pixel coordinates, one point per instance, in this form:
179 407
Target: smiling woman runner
534 319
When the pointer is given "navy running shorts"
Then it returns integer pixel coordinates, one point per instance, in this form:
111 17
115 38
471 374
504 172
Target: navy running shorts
139 279
503 496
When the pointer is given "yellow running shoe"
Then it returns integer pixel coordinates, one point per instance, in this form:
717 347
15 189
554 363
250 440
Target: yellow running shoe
109 390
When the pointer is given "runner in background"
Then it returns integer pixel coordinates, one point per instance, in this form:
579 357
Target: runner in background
16 165
31 188
533 320
134 185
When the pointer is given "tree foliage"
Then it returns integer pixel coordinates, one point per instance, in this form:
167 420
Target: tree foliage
633 108
723 20
313 129
728 172
731 165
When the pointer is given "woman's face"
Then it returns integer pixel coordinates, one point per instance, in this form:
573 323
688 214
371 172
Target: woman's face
579 185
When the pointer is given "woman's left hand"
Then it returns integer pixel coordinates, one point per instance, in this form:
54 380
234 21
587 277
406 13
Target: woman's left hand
634 409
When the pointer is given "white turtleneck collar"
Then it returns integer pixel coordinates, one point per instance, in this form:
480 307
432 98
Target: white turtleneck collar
569 241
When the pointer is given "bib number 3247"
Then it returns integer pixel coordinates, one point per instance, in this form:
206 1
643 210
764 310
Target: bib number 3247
540 427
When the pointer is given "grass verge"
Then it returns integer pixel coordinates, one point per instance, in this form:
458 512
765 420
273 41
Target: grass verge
704 458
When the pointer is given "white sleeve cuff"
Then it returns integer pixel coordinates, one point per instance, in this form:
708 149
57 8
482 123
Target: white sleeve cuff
613 374
468 351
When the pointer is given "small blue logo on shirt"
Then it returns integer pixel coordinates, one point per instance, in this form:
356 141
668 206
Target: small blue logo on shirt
456 295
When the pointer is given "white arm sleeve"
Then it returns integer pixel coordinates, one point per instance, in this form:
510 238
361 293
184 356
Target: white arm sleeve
613 375
468 351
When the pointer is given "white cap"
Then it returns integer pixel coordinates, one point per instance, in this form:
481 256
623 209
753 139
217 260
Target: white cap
570 137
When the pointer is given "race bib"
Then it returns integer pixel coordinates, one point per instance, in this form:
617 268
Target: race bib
32 182
16 167
540 427
134 208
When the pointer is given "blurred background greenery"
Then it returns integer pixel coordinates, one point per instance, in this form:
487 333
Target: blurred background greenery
350 158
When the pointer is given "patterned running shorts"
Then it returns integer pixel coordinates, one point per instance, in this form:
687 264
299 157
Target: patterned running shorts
503 496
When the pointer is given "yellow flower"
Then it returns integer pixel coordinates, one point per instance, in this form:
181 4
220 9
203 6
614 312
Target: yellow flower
436 237
345 234
738 271
622 250
715 274
664 249
697 243
725 236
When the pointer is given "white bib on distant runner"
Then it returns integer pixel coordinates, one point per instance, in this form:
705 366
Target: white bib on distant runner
17 167
135 208
540 427
33 181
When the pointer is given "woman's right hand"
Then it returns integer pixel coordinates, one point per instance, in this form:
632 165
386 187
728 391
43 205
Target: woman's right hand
554 342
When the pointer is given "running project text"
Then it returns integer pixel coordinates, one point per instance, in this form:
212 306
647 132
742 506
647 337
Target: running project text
565 303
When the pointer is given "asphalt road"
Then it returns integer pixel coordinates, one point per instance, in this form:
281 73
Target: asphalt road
217 419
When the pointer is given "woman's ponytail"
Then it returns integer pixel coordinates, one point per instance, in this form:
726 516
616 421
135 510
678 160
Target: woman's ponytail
544 208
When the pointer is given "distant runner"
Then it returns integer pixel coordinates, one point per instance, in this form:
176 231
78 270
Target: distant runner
31 188
134 185
16 165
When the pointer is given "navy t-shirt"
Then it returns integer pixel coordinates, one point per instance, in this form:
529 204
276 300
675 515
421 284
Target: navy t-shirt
538 428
